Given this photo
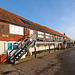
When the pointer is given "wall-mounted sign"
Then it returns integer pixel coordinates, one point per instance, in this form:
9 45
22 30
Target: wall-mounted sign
4 35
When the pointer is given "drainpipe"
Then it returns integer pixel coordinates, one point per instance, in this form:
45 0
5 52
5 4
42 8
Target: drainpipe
24 31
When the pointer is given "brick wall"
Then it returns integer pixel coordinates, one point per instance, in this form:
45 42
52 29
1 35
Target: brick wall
6 36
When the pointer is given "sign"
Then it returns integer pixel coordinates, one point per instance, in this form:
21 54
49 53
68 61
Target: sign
4 35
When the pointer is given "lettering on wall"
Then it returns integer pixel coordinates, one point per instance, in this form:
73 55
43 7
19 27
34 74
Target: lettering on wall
4 35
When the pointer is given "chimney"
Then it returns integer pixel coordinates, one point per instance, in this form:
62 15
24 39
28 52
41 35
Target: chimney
64 33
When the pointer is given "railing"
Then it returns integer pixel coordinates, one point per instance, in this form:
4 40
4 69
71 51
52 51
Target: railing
26 44
50 38
23 42
22 45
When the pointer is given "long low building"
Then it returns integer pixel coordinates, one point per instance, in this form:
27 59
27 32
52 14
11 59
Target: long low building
20 37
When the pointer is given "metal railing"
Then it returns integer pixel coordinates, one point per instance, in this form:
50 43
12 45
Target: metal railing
50 38
26 44
22 45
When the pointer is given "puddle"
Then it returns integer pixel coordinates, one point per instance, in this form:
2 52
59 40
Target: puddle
40 57
7 72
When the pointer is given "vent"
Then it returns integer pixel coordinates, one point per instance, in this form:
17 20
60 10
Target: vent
26 22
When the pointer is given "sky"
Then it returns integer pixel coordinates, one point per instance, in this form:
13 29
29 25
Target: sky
58 15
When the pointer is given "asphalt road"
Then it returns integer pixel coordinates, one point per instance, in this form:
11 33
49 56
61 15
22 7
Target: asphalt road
67 60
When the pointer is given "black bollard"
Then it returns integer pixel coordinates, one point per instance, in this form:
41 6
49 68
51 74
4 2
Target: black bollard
35 48
54 47
49 48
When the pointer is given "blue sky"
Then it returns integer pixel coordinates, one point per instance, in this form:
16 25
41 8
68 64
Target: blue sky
56 14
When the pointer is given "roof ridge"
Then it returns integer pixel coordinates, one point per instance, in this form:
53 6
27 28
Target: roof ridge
58 32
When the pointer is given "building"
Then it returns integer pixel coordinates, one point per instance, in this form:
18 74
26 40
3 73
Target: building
19 36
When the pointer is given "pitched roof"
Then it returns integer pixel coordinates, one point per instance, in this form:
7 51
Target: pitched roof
15 19
56 32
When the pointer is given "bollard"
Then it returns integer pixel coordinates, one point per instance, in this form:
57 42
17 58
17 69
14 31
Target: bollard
61 46
54 47
35 48
49 48
58 46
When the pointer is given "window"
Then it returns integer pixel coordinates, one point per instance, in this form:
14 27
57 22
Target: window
21 30
47 35
16 29
15 47
9 46
26 22
31 31
12 29
40 34
3 26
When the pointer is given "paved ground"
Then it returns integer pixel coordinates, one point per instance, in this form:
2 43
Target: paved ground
47 65
67 60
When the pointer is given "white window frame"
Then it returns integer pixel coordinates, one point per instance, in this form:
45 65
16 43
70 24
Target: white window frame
47 35
13 29
41 34
31 31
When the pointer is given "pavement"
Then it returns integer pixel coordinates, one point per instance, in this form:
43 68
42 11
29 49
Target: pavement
46 65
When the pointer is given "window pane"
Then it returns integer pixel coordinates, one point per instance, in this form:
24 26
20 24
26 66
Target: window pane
16 30
15 47
31 31
47 35
12 29
9 46
3 26
21 31
40 34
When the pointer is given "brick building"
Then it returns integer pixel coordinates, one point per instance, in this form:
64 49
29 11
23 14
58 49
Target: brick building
18 34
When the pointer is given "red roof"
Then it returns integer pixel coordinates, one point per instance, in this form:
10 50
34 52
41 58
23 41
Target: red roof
13 18
56 33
